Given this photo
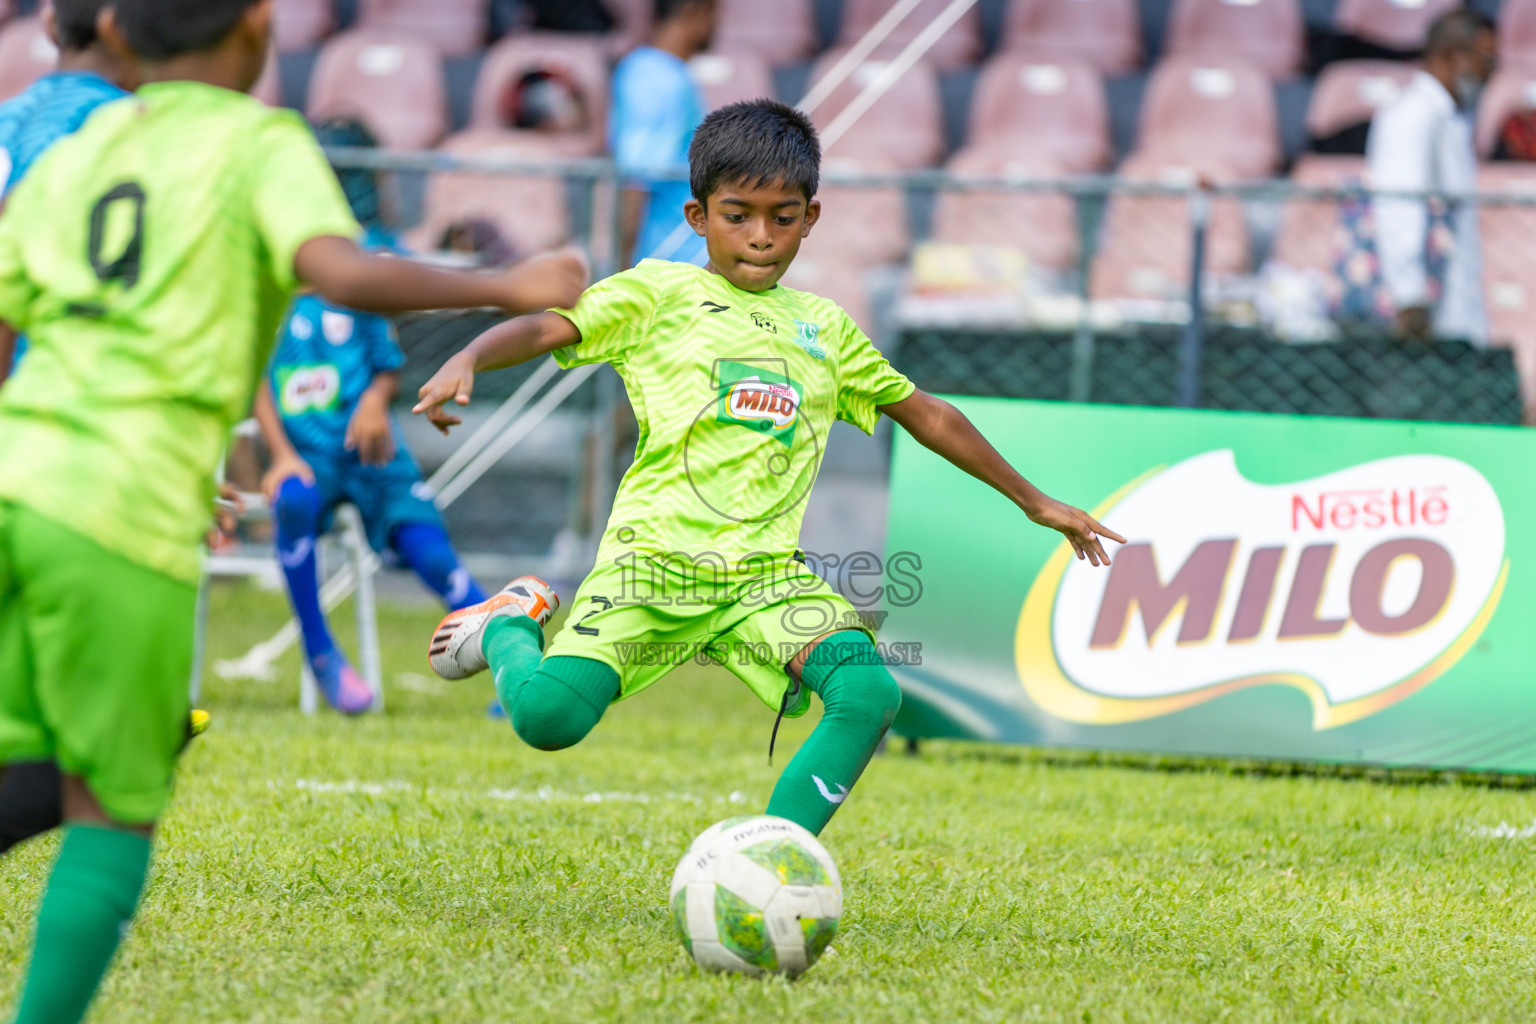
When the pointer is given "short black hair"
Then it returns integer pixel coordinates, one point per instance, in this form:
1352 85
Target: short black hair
359 184
759 142
76 21
1456 30
162 29
666 9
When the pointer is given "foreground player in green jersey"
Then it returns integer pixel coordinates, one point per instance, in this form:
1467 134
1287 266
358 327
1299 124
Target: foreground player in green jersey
150 257
735 380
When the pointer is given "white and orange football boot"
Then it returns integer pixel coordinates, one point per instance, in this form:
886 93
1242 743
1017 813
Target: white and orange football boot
455 649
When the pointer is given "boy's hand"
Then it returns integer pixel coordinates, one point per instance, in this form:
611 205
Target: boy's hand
284 465
455 382
1081 530
543 282
226 516
368 431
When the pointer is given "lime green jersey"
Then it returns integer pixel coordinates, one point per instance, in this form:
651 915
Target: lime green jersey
734 392
149 258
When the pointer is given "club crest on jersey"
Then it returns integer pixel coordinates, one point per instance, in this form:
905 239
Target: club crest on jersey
301 389
805 337
337 327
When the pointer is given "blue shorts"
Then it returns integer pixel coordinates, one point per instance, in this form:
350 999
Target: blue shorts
387 496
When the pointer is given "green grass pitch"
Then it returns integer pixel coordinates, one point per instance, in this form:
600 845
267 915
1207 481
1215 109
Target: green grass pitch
425 866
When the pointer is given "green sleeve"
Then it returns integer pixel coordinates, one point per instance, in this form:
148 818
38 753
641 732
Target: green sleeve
17 291
866 379
297 196
613 316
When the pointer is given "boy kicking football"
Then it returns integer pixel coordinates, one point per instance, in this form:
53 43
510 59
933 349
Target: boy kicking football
149 257
735 381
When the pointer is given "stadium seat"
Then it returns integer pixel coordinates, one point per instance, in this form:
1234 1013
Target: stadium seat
1145 249
580 57
1308 235
1270 33
1511 90
632 24
1350 92
958 46
455 27
731 77
781 32
1509 272
301 24
904 127
529 211
269 87
392 84
25 53
1394 24
1213 111
1104 33
1517 33
1041 225
1054 111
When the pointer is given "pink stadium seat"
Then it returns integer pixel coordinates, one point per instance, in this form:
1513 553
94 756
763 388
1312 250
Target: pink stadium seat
1105 33
904 128
1511 90
727 78
453 26
1509 274
580 57
25 53
632 23
300 24
392 84
1398 24
1145 250
1308 238
530 212
1042 225
1210 110
1052 110
860 228
1351 91
1517 32
958 46
1270 33
780 32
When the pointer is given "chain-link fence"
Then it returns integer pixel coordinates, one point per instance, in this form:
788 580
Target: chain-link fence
1141 289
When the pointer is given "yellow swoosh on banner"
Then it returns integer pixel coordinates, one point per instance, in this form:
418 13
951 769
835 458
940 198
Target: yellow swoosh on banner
1050 688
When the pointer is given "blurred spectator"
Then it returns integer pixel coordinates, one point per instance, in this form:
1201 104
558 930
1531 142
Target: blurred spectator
1422 142
656 107
547 100
359 184
478 238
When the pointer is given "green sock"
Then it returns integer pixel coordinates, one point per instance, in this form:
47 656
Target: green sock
91 895
859 699
514 646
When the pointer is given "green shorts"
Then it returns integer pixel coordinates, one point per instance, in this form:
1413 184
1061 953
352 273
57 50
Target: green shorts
643 619
95 658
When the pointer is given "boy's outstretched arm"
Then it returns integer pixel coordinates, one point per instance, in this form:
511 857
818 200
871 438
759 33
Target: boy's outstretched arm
342 272
943 429
507 344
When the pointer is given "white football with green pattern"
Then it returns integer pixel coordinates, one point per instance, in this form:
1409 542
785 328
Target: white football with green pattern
756 895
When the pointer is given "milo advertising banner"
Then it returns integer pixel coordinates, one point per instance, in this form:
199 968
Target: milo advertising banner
1293 588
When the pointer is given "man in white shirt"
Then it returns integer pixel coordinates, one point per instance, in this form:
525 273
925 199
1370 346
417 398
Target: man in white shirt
1422 142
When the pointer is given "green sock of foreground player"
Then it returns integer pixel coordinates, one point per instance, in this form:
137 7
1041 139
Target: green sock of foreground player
553 702
859 700
92 893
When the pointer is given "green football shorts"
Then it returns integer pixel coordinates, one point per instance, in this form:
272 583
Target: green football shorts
95 658
643 619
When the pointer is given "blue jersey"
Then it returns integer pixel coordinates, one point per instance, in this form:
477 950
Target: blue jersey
326 357
49 109
656 107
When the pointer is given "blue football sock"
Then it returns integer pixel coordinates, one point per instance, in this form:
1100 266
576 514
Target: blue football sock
297 516
425 547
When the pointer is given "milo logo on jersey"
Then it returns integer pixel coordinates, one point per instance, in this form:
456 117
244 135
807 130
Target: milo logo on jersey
759 399
309 388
